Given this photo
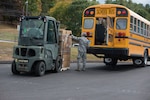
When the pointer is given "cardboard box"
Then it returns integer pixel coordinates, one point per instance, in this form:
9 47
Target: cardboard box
66 43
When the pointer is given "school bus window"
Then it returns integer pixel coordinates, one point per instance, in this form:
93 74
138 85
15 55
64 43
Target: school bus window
88 23
121 23
139 26
131 27
148 30
144 29
135 25
131 23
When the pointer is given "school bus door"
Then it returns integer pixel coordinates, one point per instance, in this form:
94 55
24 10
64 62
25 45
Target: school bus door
110 31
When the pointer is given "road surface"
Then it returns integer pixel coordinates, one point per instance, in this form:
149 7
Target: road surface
98 82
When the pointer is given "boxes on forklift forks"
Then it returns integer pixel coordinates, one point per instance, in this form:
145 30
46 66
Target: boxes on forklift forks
66 43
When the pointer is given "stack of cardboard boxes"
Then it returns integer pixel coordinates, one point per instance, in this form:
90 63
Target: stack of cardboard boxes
66 43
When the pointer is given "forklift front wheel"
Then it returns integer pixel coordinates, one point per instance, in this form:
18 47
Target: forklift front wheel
13 68
40 68
58 65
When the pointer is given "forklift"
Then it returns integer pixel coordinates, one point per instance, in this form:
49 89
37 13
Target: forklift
38 49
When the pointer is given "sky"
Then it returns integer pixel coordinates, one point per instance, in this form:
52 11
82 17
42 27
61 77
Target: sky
135 1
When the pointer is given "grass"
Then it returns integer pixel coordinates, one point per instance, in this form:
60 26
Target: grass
8 34
6 51
90 57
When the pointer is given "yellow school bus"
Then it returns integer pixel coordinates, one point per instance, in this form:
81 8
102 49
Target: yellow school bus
116 33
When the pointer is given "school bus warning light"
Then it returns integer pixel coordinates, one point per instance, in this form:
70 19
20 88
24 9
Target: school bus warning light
89 12
122 12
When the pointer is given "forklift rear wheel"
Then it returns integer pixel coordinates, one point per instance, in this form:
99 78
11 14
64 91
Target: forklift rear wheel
40 68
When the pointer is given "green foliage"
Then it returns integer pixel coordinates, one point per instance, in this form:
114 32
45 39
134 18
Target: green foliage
108 1
33 7
72 18
58 10
140 9
46 5
68 12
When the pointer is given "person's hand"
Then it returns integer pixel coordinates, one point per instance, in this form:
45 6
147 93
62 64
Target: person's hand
70 34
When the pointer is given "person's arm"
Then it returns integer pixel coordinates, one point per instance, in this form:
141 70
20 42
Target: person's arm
74 37
87 43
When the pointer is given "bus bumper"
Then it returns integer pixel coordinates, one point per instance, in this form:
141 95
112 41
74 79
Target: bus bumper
108 51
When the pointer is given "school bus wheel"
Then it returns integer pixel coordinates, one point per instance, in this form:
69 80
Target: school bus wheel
145 59
137 61
141 62
110 61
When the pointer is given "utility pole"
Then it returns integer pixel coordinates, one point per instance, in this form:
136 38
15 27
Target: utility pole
26 3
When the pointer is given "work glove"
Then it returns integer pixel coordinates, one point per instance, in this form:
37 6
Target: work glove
70 34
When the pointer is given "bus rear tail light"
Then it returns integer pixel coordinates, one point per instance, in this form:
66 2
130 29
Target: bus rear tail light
87 34
121 34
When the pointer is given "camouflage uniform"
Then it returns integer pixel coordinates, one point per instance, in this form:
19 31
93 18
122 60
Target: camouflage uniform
82 49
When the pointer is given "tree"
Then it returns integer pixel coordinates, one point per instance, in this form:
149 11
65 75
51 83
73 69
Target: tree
138 8
147 7
108 1
10 10
34 7
59 9
72 17
46 5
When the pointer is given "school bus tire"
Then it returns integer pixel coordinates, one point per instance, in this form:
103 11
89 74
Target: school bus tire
110 61
141 62
138 62
145 59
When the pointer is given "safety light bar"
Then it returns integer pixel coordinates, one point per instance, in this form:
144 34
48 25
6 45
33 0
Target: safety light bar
121 12
89 12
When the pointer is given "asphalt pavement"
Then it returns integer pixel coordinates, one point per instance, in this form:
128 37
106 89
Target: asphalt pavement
98 82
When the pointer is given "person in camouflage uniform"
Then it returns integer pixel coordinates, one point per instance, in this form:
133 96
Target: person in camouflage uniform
82 50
